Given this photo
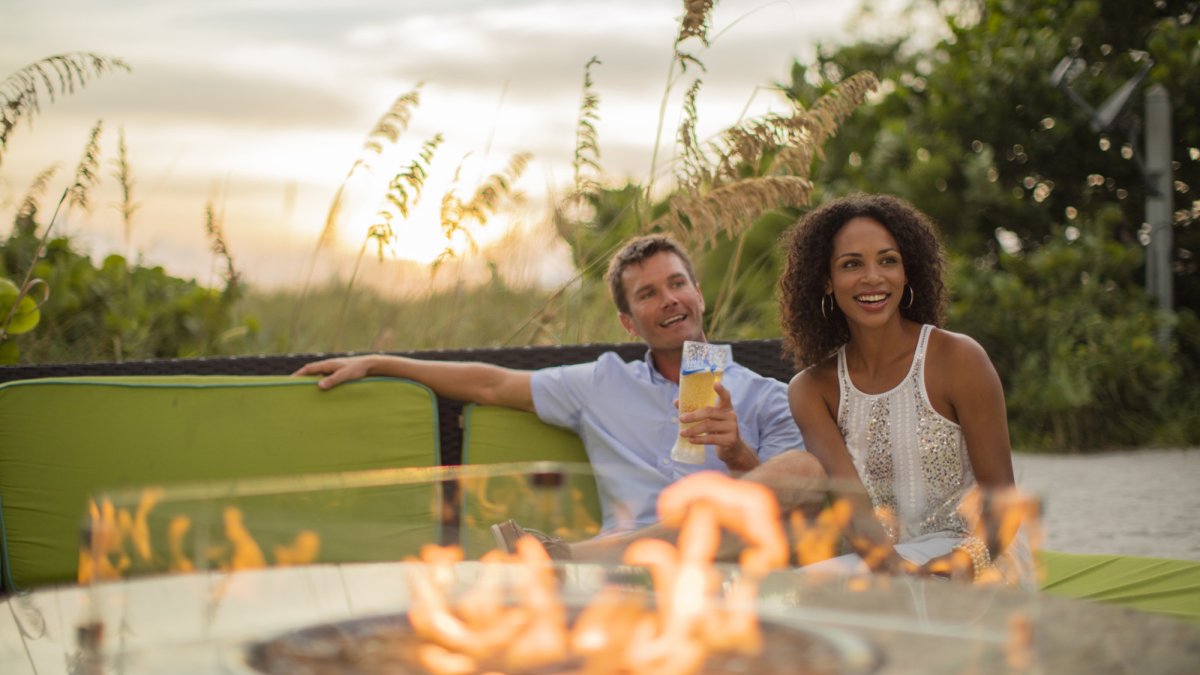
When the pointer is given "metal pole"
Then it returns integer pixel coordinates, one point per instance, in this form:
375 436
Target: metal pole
1159 277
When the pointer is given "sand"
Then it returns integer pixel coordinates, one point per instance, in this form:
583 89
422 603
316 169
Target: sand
1140 502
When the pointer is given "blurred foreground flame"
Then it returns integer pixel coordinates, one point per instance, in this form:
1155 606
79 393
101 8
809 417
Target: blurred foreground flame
117 540
616 632
513 618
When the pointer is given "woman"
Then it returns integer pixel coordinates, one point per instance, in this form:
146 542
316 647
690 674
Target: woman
904 417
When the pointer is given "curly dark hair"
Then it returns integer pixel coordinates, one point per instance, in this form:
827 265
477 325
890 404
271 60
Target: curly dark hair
635 252
808 337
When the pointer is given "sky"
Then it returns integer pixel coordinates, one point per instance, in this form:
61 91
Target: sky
261 108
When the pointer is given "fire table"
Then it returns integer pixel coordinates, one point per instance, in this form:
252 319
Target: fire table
319 575
208 623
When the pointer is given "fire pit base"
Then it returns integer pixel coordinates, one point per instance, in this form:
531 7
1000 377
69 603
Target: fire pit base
387 644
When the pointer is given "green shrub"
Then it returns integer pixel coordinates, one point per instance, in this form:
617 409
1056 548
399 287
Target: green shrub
117 312
1075 340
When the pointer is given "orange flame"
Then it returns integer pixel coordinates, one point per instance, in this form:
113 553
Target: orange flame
120 541
819 540
177 530
461 636
246 553
140 529
104 556
615 632
302 551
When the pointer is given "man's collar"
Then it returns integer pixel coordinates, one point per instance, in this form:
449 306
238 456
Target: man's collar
655 376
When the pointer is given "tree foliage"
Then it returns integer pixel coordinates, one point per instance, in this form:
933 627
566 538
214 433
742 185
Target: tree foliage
1075 343
115 311
1044 215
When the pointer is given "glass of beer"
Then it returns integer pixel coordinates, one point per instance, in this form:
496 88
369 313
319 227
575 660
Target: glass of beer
700 371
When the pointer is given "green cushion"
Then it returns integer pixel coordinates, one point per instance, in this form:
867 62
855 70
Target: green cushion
1158 585
563 501
64 439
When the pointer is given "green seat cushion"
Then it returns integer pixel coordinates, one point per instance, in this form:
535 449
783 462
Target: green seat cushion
1157 585
562 501
65 439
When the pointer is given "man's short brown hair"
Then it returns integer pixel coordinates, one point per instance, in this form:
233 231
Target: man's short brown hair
636 252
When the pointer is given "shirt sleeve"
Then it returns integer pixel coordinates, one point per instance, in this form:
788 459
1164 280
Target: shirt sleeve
778 431
559 393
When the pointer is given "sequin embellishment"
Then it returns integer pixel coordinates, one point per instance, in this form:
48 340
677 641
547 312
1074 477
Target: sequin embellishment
912 461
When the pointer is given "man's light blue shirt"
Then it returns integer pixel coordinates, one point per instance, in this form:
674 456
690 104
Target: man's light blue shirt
625 414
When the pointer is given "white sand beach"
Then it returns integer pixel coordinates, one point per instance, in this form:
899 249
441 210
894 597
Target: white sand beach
1139 502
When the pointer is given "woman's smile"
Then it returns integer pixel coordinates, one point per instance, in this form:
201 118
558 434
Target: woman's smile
873 302
866 270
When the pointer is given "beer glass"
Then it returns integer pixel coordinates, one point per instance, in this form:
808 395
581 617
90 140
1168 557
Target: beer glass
700 371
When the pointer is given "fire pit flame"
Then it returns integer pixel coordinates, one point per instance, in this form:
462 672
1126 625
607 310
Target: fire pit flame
512 617
616 632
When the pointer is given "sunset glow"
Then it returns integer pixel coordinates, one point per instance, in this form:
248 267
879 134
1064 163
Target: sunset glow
262 109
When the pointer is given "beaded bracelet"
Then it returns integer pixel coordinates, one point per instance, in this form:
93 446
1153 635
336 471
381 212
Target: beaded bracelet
981 560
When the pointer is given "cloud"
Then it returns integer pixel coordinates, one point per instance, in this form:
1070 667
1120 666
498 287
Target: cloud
194 95
242 98
540 48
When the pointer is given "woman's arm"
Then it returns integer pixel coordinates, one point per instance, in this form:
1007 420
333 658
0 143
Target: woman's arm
961 370
813 395
974 392
814 412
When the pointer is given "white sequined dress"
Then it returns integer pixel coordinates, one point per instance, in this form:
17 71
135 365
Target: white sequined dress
914 464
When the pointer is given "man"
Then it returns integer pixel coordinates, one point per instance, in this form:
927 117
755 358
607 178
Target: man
625 413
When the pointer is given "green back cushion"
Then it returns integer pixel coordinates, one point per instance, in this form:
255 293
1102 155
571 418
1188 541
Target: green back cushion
564 503
63 440
1151 584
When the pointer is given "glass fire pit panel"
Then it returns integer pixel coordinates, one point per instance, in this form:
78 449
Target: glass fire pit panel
227 577
556 499
369 516
261 523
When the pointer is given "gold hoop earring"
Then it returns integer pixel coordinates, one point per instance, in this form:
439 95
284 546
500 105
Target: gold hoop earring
825 313
912 295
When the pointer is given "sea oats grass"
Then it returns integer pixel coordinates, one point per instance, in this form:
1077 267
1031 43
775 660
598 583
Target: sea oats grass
488 198
56 75
35 193
695 21
693 24
390 126
403 193
586 162
394 122
87 171
123 173
404 190
214 228
731 208
753 167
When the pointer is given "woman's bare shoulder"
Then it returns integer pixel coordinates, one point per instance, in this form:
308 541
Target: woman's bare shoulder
956 350
817 378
